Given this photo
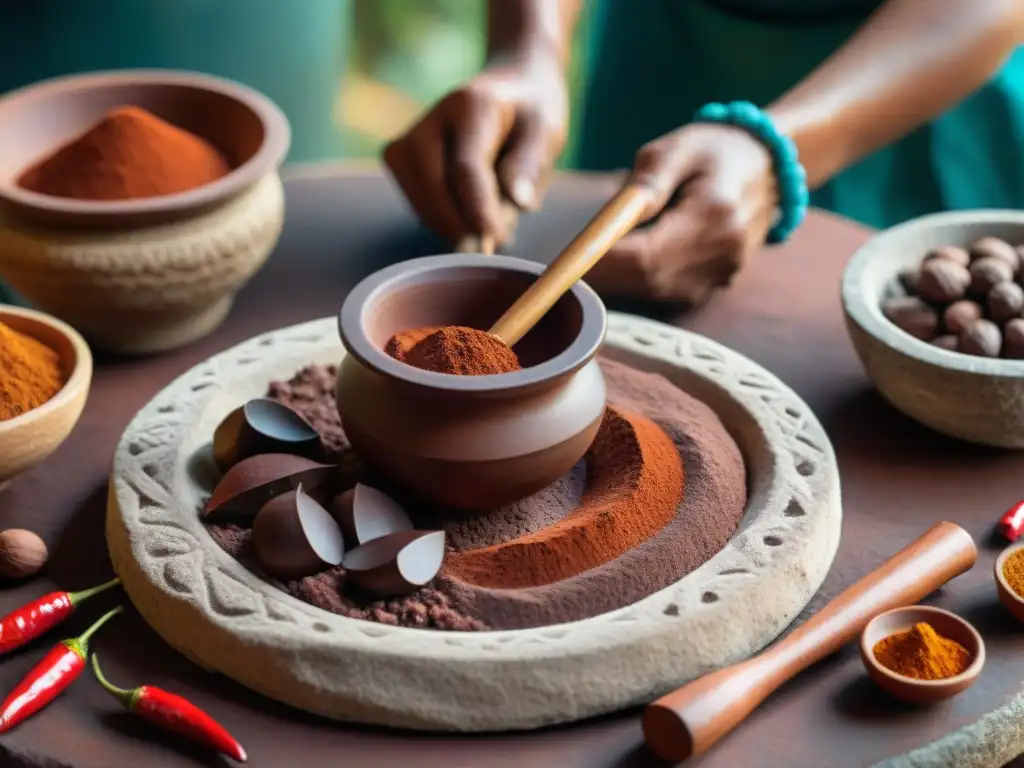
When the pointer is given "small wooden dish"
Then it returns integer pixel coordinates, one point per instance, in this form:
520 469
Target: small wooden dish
30 438
909 689
1013 602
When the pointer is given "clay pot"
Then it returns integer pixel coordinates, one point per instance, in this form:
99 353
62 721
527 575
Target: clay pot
147 275
470 442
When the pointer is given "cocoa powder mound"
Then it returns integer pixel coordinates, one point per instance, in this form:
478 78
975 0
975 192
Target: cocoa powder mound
713 502
129 154
457 350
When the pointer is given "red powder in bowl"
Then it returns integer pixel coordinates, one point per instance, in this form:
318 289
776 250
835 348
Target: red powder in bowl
129 154
453 349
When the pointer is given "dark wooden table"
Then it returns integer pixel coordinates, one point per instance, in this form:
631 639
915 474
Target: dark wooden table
783 312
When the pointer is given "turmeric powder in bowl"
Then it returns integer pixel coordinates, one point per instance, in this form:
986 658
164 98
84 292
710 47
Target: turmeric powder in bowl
30 373
922 653
1013 572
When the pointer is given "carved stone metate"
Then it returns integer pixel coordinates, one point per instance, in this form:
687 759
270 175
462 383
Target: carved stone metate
225 618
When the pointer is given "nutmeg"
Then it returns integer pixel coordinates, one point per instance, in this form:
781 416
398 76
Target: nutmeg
960 314
22 553
1013 339
912 315
993 247
988 272
943 281
952 252
948 342
981 338
1005 301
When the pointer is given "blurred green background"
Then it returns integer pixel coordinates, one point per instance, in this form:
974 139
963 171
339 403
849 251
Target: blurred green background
405 54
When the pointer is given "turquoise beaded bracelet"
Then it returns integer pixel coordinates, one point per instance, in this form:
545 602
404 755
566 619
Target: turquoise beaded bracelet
792 178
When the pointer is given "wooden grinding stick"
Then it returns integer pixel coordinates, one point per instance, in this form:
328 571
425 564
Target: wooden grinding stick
396 564
689 720
485 243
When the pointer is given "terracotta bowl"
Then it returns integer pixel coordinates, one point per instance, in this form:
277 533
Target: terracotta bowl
31 437
910 689
470 442
151 274
1013 602
971 398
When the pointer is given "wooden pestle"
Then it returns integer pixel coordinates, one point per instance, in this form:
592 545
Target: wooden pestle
689 720
486 244
618 216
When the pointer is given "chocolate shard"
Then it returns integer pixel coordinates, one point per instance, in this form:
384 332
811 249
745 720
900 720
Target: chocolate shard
294 537
396 564
365 513
251 483
263 426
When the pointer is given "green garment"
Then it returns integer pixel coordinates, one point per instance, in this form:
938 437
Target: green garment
294 51
654 62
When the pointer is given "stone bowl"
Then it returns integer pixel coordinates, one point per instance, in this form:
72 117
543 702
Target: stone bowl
971 398
227 619
146 275
30 438
469 442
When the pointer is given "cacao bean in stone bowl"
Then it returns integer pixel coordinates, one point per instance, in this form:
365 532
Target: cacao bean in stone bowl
935 310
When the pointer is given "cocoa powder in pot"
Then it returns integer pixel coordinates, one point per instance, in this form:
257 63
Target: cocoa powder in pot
453 349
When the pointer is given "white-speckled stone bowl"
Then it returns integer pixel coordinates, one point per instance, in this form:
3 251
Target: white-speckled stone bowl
977 399
226 618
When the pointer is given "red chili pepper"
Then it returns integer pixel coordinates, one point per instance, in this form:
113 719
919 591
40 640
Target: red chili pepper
173 713
1012 522
58 669
40 616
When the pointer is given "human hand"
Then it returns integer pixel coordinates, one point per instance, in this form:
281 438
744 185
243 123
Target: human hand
495 137
716 201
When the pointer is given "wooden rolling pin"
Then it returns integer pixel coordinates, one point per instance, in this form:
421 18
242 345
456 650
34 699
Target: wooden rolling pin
688 721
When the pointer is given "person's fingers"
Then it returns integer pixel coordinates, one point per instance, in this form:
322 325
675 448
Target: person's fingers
622 272
416 162
664 165
476 139
662 261
524 169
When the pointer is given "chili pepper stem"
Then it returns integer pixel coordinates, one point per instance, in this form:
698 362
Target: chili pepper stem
80 644
126 697
85 594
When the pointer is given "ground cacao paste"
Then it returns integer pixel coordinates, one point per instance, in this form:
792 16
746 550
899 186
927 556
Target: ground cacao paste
706 517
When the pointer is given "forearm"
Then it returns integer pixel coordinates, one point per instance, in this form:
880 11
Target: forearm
525 29
911 61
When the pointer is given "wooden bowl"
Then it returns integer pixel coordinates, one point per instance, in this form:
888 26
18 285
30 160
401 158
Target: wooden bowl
972 398
31 437
469 442
1013 602
909 689
145 275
